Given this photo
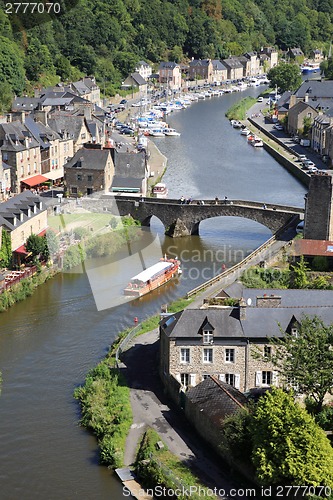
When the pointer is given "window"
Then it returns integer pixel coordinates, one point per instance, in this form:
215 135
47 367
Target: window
185 355
79 177
90 178
230 355
90 191
83 136
208 355
230 378
74 190
207 337
184 379
5 156
267 378
294 332
267 351
204 376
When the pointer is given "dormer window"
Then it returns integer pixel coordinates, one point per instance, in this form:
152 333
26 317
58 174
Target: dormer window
207 337
294 332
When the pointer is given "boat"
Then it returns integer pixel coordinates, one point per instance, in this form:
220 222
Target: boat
160 190
257 142
171 132
309 67
156 132
236 123
153 277
245 131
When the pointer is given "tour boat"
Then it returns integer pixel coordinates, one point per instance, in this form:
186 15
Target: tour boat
153 277
160 190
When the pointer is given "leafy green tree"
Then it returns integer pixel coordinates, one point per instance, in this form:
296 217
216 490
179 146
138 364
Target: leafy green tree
288 446
11 65
305 360
36 245
298 274
6 249
6 97
286 76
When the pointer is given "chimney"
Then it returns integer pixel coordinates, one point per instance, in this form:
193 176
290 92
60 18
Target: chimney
242 309
268 300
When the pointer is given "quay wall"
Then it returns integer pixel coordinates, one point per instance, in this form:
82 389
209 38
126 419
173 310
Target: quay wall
295 170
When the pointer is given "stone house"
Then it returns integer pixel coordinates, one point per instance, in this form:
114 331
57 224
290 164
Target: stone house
5 180
23 215
21 151
89 171
297 114
234 67
232 343
220 72
201 69
144 69
251 64
70 127
295 54
136 81
316 55
321 134
87 88
269 57
170 75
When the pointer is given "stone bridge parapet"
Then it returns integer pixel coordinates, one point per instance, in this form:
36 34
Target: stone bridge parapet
183 219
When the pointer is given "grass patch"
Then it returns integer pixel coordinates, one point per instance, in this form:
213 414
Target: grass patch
238 110
106 410
158 466
91 221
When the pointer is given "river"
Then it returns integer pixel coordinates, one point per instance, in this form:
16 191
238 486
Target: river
50 341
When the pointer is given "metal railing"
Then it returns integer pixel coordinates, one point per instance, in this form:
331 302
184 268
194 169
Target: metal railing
124 344
240 264
29 271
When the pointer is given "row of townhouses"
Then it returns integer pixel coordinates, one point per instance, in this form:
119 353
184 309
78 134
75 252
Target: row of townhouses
310 105
212 71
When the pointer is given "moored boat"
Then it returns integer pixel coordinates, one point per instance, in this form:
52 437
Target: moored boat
160 190
153 277
170 132
245 131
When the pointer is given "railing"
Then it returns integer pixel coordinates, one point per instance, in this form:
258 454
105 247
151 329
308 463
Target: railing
29 271
125 342
240 264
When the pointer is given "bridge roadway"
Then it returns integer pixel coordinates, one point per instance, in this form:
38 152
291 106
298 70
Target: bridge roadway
183 219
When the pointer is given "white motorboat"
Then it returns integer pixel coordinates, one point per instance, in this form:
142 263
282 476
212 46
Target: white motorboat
171 132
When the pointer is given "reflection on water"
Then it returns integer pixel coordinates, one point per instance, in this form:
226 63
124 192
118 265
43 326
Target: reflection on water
50 341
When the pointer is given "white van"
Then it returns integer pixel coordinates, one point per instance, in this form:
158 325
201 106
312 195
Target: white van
300 227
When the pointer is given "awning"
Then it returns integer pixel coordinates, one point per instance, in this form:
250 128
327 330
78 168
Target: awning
21 250
35 180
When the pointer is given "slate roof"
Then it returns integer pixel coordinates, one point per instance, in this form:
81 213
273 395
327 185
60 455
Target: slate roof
168 65
143 63
15 135
216 399
61 122
218 65
130 164
91 159
17 205
25 103
126 182
301 106
199 62
259 322
42 133
317 88
232 63
138 79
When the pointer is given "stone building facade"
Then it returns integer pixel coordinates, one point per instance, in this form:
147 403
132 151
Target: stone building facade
233 343
318 222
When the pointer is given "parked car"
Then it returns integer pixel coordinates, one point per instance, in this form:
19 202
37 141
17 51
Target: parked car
308 164
123 101
302 158
260 99
312 170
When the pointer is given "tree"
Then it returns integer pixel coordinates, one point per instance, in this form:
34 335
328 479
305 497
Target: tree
11 65
298 274
306 358
288 446
6 97
36 245
285 76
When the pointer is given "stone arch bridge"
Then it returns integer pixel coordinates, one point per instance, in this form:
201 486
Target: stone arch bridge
181 219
